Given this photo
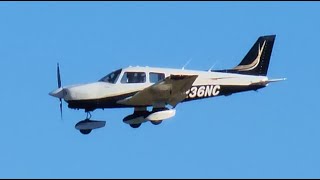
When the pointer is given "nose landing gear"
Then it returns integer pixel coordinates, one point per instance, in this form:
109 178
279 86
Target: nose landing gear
87 125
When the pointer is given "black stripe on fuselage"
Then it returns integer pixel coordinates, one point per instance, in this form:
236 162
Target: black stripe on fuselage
92 104
195 93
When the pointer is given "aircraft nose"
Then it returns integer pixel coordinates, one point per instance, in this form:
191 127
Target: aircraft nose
81 92
77 93
64 93
58 93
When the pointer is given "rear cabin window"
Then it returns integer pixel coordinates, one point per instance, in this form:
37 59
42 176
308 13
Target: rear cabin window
133 77
155 77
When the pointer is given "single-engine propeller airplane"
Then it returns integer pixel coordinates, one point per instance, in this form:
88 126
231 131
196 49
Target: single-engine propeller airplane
160 88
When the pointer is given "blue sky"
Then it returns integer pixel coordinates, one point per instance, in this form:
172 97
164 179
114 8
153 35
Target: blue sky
273 133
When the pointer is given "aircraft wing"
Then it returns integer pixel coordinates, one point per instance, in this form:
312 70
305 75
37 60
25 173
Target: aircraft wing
170 90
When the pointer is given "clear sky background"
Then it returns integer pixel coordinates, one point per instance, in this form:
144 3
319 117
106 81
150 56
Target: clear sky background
273 133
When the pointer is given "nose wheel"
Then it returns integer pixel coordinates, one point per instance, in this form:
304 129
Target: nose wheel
85 131
87 125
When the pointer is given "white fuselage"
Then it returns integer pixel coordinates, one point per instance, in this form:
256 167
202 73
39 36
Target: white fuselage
207 84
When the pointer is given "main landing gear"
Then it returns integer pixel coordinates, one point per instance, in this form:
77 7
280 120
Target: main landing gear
141 115
157 110
137 118
87 125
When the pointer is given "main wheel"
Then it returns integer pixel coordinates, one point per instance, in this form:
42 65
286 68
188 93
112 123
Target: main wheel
85 131
135 125
156 122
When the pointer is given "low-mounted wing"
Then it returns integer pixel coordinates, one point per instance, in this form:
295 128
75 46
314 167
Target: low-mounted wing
170 90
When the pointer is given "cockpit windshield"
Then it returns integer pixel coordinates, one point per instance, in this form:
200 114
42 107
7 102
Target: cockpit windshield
112 77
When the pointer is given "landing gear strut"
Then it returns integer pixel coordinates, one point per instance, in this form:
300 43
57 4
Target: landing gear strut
88 114
86 131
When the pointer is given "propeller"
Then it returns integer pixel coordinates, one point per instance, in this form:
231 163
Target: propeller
58 74
59 86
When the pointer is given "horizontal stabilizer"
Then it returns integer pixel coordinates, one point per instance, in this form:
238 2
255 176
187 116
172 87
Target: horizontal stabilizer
265 82
276 80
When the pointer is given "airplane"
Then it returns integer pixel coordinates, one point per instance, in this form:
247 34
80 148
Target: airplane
162 89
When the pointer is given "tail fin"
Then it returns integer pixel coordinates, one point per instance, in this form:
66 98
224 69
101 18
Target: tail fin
256 62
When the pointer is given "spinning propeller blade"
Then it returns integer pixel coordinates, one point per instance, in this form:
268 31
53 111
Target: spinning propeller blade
59 86
60 108
58 76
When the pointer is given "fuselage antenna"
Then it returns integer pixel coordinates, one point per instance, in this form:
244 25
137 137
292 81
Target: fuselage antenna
186 63
212 66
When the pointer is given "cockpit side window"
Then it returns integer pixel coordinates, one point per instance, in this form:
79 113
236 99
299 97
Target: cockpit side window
112 77
155 77
133 77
